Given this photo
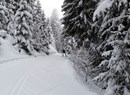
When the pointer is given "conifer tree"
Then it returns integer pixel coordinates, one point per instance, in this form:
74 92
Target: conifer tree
4 15
40 35
114 30
77 18
23 22
44 38
10 6
37 14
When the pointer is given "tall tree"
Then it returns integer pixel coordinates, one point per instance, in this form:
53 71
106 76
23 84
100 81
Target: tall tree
23 22
10 6
114 31
40 32
4 15
77 18
37 14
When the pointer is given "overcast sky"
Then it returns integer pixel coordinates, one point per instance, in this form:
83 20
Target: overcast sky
49 5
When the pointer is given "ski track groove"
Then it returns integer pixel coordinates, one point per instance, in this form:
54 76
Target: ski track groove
20 58
13 59
17 88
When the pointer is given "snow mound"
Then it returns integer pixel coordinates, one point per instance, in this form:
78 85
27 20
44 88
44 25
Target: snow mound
52 50
7 50
2 33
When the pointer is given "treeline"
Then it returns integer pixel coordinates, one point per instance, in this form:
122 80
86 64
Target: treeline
97 35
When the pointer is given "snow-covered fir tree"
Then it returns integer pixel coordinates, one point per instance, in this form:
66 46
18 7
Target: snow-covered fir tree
56 29
114 31
37 14
44 34
4 15
78 24
77 18
109 31
45 38
23 24
40 30
10 6
50 36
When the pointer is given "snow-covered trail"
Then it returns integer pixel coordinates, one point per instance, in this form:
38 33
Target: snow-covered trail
42 75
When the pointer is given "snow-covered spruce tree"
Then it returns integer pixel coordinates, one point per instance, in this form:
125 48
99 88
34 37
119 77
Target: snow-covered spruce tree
31 3
23 24
49 32
37 14
4 14
40 31
56 29
45 38
77 18
78 22
44 34
114 31
10 6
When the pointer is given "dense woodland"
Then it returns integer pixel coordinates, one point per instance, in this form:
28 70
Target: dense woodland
97 35
94 33
25 21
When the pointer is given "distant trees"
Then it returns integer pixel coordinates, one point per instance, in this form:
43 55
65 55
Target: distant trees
56 29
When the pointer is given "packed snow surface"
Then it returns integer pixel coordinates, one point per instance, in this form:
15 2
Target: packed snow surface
41 75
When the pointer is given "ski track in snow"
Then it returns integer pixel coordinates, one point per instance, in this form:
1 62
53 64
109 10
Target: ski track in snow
12 59
17 89
41 75
5 61
19 58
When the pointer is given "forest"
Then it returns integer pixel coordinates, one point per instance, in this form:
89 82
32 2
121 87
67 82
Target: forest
95 35
98 33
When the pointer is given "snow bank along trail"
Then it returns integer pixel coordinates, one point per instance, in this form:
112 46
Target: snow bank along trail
42 75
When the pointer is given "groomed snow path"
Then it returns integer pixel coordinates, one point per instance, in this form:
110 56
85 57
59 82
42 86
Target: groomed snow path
42 75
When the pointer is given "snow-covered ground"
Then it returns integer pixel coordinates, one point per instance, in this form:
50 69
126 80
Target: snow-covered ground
9 52
42 75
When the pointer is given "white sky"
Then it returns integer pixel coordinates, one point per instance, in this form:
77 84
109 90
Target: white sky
49 5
